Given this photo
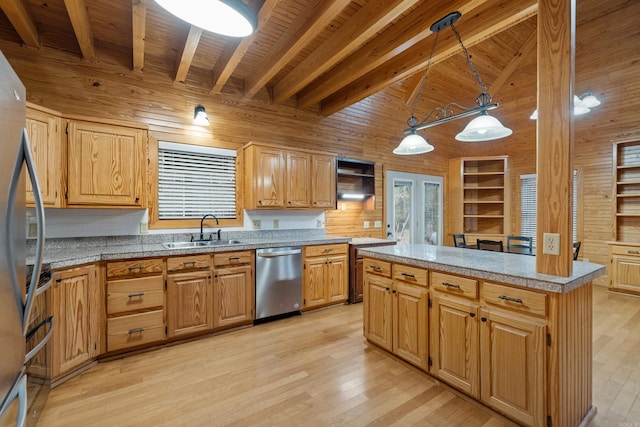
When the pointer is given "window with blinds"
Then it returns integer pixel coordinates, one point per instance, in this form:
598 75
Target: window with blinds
528 206
194 181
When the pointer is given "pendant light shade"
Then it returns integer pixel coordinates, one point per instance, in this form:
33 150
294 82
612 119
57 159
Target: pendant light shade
483 128
413 144
200 117
230 18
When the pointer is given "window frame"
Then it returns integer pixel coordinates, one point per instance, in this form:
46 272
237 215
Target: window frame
205 141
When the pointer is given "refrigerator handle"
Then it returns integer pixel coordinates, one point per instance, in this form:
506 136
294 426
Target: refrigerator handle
42 342
25 157
19 391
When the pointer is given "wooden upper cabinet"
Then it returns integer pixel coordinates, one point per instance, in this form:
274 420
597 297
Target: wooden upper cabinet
288 179
44 131
323 182
106 165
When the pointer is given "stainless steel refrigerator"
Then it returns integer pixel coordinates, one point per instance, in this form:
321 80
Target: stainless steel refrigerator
16 165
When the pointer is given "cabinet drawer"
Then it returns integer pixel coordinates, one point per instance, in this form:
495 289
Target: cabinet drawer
625 250
129 267
134 294
376 266
409 274
232 258
320 250
515 299
191 262
134 330
454 285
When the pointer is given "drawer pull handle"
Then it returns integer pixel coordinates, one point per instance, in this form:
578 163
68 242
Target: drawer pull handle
506 298
185 263
376 268
451 285
633 252
136 267
409 275
139 294
327 250
234 258
136 331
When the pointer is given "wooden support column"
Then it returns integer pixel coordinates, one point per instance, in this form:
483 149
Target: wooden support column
556 64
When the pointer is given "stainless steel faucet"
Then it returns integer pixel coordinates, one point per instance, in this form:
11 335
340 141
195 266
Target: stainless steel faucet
201 223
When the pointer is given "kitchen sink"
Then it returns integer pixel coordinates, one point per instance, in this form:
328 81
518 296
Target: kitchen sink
199 244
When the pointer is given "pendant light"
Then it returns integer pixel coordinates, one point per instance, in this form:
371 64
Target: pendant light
581 105
230 18
482 128
200 117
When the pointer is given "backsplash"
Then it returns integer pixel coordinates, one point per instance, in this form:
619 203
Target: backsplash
63 223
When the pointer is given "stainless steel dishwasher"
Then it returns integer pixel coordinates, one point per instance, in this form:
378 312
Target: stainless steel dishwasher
278 281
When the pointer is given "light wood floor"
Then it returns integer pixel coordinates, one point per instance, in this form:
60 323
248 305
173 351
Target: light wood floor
317 370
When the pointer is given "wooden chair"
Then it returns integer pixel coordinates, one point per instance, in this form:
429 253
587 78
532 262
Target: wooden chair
490 245
576 250
522 242
459 241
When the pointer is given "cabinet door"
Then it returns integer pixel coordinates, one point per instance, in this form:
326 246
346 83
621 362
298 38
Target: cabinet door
455 343
323 182
512 370
106 165
46 147
410 323
337 278
298 171
269 178
625 273
75 301
233 296
378 311
314 289
190 302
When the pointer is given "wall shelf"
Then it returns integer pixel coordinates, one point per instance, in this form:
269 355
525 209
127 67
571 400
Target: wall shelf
626 190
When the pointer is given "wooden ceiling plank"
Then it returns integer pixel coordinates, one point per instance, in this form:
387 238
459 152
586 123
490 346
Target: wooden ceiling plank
489 19
79 16
22 20
527 47
410 30
413 87
138 22
229 67
288 46
188 51
364 24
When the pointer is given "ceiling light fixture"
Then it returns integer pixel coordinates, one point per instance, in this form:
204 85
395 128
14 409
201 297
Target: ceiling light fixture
230 18
581 105
200 117
483 128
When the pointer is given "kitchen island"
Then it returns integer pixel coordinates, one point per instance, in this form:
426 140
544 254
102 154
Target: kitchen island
488 325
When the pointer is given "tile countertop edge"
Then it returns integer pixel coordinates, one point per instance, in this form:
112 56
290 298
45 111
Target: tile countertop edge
66 258
500 267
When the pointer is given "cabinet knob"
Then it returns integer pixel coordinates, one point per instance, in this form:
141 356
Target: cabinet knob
472 314
387 289
259 202
137 199
484 319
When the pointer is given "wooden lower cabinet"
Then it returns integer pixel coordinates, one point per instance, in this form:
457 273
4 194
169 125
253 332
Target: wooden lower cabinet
76 306
378 311
624 267
233 295
512 357
326 275
189 303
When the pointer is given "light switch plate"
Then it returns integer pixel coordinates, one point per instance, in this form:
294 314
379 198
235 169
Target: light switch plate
276 224
366 224
377 224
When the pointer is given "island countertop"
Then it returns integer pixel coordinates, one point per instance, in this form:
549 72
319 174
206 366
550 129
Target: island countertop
514 269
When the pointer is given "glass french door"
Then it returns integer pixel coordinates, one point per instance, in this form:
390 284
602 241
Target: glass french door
413 208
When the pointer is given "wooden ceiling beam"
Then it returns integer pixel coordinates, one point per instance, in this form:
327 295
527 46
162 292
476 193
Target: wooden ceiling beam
305 29
187 53
77 11
229 66
527 47
413 28
138 23
491 18
22 20
362 26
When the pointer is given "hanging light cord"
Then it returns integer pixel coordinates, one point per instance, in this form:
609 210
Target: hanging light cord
412 120
484 98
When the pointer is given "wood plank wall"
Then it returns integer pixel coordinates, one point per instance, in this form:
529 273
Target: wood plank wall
606 63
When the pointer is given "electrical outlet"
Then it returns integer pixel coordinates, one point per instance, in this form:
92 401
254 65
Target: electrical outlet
144 227
319 223
551 244
276 224
256 224
377 224
343 206
366 224
33 230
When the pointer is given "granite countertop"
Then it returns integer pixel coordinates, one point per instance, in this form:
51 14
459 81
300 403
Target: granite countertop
69 255
501 267
370 240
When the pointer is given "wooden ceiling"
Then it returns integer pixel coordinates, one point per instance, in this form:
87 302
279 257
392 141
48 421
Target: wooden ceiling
329 53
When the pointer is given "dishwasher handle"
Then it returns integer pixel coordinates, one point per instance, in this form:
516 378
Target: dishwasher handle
279 254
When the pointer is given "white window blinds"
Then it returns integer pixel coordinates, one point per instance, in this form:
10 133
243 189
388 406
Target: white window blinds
528 206
194 181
